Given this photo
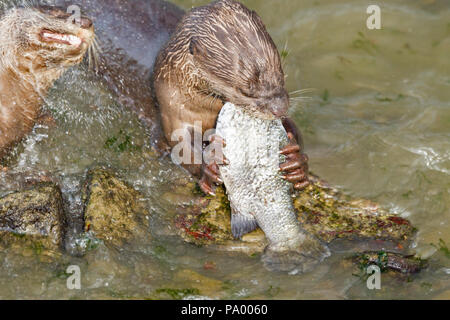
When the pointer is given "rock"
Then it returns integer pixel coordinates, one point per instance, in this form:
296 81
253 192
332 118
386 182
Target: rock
33 219
390 261
331 216
113 211
345 224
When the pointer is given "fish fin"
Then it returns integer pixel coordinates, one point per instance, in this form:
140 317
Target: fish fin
242 224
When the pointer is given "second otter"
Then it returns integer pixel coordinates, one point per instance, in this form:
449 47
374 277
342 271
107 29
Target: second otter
221 53
36 46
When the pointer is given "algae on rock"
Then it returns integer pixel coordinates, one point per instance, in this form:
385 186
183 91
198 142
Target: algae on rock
322 210
113 211
33 219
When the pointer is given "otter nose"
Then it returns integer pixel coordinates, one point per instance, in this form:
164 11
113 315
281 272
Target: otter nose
279 106
86 23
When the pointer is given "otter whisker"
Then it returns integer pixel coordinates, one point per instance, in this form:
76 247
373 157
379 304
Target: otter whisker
300 98
302 91
90 62
95 49
96 44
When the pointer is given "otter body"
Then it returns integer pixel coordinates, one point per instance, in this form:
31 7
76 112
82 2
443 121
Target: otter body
222 53
129 34
215 54
36 46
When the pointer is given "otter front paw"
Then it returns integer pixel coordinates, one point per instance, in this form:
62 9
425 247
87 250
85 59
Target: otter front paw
295 169
210 169
211 176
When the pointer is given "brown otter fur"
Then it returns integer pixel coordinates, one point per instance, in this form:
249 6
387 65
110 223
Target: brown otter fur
36 46
221 53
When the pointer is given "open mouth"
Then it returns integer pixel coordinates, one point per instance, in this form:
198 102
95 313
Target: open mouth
68 39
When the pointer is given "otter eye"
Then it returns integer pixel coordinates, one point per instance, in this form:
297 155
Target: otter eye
245 93
257 74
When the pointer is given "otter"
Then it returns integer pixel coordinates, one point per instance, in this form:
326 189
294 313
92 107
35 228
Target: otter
222 53
37 44
129 50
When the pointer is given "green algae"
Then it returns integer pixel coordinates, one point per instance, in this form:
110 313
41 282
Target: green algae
113 212
177 294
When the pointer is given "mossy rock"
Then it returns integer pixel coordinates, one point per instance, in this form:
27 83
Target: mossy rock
113 210
32 220
322 210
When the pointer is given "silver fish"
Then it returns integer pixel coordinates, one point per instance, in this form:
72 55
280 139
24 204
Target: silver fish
258 194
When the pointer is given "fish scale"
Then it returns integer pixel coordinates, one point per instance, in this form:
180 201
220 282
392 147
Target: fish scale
258 194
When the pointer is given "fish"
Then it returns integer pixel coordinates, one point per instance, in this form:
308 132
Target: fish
259 196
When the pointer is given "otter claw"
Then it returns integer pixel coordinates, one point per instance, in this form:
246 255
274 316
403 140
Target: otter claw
212 174
295 176
295 169
291 165
290 149
206 186
210 168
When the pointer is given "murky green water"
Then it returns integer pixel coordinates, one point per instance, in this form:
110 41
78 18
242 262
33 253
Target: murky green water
377 125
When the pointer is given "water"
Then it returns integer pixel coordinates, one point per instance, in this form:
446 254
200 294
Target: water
376 124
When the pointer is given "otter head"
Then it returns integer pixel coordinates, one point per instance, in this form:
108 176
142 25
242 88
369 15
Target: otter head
224 50
41 42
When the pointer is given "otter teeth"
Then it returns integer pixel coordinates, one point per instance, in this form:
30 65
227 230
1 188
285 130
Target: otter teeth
73 40
70 39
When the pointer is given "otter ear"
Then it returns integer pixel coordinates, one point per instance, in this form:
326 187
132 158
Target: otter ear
194 46
191 47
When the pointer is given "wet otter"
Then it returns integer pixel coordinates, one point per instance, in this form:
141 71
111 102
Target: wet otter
36 46
129 50
221 53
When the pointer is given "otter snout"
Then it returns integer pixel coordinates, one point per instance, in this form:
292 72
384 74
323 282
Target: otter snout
279 105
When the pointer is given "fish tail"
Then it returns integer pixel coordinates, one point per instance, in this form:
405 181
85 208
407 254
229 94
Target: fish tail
242 224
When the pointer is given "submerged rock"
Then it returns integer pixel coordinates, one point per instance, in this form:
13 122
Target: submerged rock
345 224
390 261
188 284
113 211
33 219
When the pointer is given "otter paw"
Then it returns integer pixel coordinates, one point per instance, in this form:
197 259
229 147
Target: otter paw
210 170
295 260
211 176
295 169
